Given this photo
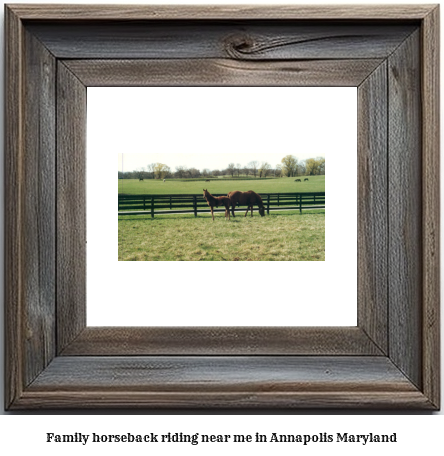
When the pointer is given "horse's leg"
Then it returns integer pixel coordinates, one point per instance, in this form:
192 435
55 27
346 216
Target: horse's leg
252 210
232 208
227 212
212 214
248 207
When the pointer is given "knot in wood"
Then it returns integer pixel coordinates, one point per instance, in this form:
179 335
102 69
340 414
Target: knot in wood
238 46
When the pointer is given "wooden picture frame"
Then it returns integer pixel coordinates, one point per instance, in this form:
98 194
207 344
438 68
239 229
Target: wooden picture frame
390 360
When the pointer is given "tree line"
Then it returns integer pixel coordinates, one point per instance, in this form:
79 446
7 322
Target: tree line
289 166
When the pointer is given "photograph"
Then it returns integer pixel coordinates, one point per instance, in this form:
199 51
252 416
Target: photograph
164 209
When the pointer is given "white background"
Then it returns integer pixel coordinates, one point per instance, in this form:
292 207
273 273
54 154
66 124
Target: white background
418 433
287 120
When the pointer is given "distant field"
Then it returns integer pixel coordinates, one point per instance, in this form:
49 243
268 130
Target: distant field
171 186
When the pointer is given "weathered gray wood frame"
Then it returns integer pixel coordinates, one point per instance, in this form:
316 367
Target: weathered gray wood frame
390 360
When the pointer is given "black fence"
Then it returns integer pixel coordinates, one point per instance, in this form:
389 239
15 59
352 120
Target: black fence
182 204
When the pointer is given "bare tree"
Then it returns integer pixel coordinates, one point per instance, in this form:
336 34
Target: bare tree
264 169
181 171
302 169
194 172
253 166
150 169
231 168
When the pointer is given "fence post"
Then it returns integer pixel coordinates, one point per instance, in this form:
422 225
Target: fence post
268 204
170 203
300 203
195 205
152 207
144 203
278 198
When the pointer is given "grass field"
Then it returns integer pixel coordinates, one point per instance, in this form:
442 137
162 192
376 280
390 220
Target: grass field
282 236
171 186
279 236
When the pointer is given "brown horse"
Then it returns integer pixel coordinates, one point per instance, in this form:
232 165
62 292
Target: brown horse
217 201
249 199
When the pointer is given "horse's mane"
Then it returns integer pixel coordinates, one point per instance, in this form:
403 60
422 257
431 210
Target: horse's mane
207 194
257 195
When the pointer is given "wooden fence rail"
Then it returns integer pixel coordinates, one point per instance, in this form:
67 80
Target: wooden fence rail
181 204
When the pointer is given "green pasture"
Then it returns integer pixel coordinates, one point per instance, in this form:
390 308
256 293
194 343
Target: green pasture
279 236
172 186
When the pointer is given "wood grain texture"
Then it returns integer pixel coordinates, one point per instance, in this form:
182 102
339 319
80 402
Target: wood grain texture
209 373
236 40
13 209
39 207
128 341
405 209
221 72
431 205
30 225
323 400
220 12
372 207
71 206
202 381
